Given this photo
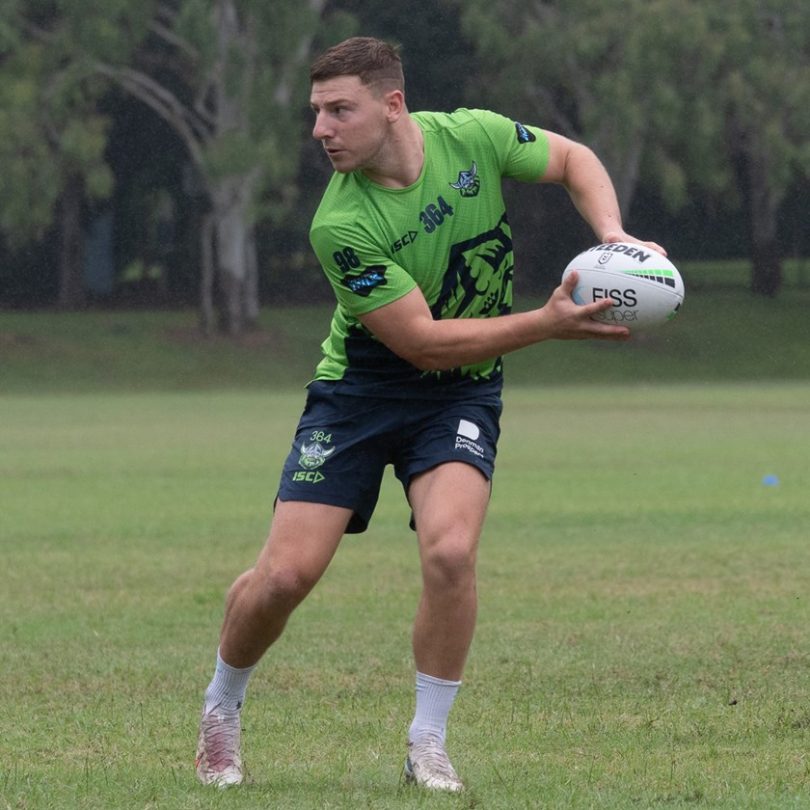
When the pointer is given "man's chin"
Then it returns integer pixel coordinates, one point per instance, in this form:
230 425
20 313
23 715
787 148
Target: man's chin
342 166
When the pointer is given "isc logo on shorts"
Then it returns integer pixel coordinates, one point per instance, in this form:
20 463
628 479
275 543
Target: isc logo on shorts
310 476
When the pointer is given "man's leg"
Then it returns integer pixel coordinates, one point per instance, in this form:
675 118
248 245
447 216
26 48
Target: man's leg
449 504
302 541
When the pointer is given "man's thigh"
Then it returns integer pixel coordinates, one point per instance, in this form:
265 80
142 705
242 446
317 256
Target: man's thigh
303 539
449 504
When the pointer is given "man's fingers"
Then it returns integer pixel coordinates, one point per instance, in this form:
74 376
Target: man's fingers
569 283
598 306
621 236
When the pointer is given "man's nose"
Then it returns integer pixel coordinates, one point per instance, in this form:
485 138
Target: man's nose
321 129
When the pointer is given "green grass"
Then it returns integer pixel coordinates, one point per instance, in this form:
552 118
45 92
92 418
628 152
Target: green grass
731 273
643 637
644 634
727 335
164 350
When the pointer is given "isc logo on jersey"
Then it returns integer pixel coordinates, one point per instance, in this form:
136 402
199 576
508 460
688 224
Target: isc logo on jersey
403 241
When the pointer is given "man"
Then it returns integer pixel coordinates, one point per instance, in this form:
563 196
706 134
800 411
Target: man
413 236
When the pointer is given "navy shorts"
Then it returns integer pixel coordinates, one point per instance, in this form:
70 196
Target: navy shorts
343 444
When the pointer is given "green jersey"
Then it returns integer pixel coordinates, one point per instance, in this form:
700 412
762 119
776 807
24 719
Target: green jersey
446 234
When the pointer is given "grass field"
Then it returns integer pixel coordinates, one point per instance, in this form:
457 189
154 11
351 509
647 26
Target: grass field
728 336
644 634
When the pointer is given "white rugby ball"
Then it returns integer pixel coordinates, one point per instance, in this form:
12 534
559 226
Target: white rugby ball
645 287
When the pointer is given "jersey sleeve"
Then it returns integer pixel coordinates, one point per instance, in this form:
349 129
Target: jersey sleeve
362 276
523 150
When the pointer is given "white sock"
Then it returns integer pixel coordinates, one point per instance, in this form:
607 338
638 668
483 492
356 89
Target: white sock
228 687
434 699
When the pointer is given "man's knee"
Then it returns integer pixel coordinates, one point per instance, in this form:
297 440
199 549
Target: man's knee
279 588
449 561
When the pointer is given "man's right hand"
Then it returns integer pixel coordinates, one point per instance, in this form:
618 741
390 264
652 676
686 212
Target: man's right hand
564 319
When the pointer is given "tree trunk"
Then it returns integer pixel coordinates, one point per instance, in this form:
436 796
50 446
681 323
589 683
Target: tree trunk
252 280
235 251
71 281
763 205
232 195
207 324
628 170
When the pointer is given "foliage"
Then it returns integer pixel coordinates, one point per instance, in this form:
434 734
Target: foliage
677 96
764 79
226 75
686 98
582 70
50 130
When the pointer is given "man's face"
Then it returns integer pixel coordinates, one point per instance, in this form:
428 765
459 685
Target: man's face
351 121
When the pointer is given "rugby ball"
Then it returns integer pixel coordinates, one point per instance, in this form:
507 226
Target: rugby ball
645 287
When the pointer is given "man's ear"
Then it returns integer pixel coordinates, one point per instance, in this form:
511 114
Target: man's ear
395 104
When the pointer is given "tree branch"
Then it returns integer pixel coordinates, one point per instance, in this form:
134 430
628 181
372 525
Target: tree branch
194 132
548 105
171 38
36 32
283 93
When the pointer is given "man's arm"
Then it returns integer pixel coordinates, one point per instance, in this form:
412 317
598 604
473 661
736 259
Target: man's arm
407 327
577 167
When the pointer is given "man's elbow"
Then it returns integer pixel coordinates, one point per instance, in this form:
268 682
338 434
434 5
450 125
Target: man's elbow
425 357
429 363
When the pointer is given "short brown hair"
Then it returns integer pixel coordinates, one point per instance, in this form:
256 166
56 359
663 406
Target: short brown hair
372 60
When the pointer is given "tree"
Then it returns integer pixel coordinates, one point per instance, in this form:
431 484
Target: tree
686 95
763 89
51 146
582 69
227 76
